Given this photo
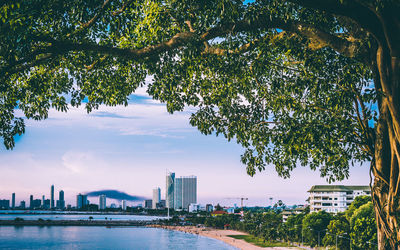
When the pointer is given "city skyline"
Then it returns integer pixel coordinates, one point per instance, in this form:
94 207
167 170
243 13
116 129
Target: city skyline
123 148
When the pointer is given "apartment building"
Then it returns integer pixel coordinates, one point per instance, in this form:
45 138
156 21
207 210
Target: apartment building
334 198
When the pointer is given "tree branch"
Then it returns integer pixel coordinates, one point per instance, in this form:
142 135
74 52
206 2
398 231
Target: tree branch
92 21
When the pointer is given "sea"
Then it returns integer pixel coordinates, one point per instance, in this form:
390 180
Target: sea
93 237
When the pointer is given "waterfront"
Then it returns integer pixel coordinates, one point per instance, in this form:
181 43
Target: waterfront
77 216
34 237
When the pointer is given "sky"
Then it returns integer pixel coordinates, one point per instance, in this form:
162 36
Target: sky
131 148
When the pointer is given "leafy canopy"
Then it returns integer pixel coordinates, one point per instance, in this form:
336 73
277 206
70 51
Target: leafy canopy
287 82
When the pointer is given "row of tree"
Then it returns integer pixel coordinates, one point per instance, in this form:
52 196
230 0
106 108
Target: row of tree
353 229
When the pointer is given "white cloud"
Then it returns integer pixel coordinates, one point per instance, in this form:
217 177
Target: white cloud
80 162
134 119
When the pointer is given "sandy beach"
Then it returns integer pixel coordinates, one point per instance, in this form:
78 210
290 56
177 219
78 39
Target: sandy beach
221 235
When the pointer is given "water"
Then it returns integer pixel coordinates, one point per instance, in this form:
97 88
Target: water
81 216
78 217
34 237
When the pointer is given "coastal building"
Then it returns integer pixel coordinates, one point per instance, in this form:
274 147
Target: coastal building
46 204
185 192
209 208
13 201
334 198
169 190
43 198
193 208
156 197
52 197
218 213
61 200
36 203
102 202
124 205
4 204
22 205
31 201
230 210
178 194
148 204
81 201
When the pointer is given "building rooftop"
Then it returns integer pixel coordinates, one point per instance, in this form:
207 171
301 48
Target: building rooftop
337 188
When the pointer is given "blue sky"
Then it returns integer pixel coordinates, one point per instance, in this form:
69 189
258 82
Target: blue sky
130 148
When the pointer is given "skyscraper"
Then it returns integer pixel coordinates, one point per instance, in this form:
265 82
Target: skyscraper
169 190
102 202
178 193
52 197
81 201
61 201
43 201
185 192
124 205
13 201
156 197
31 202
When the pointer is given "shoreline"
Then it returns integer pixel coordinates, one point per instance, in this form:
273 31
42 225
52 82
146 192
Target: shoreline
218 234
107 223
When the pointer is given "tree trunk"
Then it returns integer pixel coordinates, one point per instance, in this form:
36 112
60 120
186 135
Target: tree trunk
385 166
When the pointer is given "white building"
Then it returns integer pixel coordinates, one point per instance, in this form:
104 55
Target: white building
156 197
289 212
334 198
185 192
124 205
194 208
102 202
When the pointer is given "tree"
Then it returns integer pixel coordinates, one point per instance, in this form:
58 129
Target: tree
295 82
294 225
358 202
339 226
314 226
363 228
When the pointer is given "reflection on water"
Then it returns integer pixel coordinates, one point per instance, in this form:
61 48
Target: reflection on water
78 217
33 237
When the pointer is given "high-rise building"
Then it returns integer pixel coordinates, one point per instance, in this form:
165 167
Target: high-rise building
22 205
185 192
52 197
36 203
156 197
102 202
81 201
4 204
31 202
61 201
13 201
43 199
178 194
46 204
124 205
148 204
169 190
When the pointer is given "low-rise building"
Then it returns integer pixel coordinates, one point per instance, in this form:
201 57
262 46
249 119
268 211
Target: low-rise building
334 198
218 213
288 212
194 208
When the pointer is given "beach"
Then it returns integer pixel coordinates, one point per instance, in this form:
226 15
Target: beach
219 234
